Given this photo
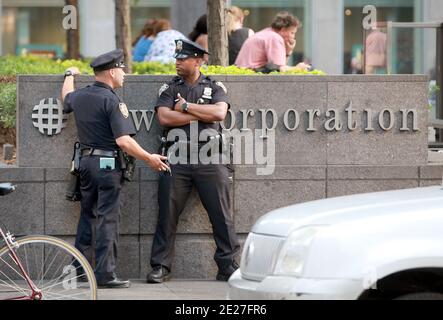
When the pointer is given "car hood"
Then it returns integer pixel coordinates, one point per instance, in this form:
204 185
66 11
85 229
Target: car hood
333 211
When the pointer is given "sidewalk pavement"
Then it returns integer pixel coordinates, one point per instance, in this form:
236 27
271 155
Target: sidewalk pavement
170 290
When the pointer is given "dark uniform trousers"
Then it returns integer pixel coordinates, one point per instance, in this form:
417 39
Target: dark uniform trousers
212 183
99 219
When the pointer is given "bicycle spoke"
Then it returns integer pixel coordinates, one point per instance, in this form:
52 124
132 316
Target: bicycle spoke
26 259
56 284
35 257
16 287
50 265
57 271
21 275
54 266
51 282
60 296
40 275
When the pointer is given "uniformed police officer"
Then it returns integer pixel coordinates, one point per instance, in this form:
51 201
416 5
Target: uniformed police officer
193 98
104 127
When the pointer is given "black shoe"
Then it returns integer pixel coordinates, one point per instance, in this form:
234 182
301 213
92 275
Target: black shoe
227 273
114 284
158 275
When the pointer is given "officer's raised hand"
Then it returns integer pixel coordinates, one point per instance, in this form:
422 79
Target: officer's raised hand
68 84
73 70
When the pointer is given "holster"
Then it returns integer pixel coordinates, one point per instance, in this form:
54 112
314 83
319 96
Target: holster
73 190
127 163
75 164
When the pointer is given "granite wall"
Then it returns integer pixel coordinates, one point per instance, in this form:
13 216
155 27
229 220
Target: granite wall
310 165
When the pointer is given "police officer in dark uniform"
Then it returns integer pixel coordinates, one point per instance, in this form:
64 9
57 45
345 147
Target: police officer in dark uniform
104 127
193 99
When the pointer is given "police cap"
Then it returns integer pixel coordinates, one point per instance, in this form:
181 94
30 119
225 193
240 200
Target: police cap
109 60
185 49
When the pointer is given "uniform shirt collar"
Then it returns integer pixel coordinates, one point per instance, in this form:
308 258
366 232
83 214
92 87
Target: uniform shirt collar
201 79
103 85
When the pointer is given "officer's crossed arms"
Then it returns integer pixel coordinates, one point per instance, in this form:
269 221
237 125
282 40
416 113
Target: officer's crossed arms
188 67
194 112
114 78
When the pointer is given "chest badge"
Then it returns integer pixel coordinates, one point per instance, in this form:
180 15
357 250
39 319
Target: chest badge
124 110
207 93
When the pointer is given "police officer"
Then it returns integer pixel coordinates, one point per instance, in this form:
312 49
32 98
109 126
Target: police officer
104 127
192 98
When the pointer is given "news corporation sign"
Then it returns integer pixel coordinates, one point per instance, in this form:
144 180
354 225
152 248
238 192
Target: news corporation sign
49 119
247 146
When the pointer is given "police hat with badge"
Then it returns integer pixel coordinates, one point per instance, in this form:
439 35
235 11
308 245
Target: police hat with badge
109 60
186 49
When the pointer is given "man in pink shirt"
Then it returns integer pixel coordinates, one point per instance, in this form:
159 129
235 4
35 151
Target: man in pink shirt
269 49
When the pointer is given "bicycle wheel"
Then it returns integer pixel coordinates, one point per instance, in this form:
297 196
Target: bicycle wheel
55 267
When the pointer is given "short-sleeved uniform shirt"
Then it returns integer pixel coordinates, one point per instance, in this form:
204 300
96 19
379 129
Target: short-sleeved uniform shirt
266 46
207 91
101 117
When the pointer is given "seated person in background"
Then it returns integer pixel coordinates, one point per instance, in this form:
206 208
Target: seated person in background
268 50
376 52
144 41
200 34
163 47
237 35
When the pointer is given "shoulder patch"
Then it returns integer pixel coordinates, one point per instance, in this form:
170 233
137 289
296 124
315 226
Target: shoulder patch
221 85
124 110
163 89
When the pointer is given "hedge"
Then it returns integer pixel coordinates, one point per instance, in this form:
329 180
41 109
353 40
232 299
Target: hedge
10 66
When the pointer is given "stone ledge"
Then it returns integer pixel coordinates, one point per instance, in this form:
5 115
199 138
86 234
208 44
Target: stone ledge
372 172
57 174
338 188
22 211
22 174
429 183
431 172
281 173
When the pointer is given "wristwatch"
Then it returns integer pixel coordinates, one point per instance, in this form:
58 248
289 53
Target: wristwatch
69 73
185 107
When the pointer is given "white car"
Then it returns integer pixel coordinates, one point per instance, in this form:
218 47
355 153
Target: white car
384 245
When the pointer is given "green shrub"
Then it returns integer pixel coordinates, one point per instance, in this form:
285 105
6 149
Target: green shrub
7 104
157 68
15 65
154 68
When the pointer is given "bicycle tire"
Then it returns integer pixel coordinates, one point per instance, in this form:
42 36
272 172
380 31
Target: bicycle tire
49 244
